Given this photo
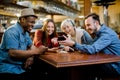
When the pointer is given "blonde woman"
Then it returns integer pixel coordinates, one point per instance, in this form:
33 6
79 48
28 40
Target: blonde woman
76 34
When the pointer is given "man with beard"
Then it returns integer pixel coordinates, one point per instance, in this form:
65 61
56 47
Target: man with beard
105 41
16 54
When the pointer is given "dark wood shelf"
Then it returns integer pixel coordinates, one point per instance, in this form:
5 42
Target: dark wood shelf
70 8
40 10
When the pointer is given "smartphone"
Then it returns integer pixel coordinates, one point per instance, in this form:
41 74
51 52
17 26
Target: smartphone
61 38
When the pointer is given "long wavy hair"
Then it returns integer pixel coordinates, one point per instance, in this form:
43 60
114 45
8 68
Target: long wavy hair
45 35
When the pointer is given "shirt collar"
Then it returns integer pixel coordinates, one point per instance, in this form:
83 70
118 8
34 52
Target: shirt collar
101 29
19 27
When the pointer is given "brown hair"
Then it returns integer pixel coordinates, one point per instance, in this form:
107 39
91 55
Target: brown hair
94 16
54 34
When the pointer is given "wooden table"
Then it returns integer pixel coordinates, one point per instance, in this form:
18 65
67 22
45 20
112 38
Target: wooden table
70 62
77 59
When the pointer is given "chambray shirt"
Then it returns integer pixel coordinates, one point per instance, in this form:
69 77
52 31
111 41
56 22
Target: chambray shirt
13 38
106 41
86 38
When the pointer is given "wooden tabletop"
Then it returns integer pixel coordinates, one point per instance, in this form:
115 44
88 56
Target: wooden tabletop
76 59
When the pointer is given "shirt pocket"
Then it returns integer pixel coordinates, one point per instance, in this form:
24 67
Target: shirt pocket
22 43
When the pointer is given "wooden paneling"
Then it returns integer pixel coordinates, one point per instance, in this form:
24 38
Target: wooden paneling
87 7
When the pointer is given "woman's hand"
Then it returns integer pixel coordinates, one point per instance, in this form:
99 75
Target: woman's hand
54 49
67 48
54 40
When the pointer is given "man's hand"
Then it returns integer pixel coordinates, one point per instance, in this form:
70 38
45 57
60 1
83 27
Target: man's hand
39 50
28 62
67 42
43 49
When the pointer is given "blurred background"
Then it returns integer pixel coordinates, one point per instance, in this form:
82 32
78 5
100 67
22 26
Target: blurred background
59 10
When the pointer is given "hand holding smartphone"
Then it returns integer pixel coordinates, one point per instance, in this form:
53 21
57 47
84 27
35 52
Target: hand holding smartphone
61 38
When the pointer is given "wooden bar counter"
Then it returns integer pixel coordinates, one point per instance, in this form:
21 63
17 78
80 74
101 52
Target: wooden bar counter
72 65
77 59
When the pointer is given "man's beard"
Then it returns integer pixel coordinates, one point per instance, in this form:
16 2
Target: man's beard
95 29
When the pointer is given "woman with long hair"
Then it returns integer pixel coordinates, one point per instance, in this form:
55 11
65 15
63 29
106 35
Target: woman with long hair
46 36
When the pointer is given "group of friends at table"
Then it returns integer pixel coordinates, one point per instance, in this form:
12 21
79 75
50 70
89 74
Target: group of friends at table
18 52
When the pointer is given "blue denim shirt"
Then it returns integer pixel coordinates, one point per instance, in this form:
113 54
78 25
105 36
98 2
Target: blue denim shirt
13 38
106 41
86 38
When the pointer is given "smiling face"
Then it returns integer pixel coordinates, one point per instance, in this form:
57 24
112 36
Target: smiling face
68 29
91 25
50 28
28 23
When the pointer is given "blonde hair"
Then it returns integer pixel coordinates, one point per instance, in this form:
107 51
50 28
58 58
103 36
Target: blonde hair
68 22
